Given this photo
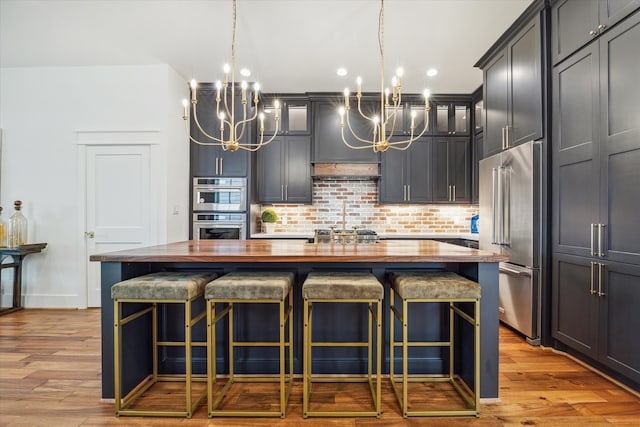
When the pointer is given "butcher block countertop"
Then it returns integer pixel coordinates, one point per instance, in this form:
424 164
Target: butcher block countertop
264 250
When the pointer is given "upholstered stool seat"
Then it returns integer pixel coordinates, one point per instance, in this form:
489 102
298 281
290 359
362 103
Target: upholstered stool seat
434 285
347 285
150 290
343 287
249 288
461 296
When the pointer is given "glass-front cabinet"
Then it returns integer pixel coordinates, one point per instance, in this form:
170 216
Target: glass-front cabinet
478 116
295 117
451 118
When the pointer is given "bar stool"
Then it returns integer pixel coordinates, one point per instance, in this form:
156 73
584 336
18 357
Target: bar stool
435 287
157 288
342 287
249 288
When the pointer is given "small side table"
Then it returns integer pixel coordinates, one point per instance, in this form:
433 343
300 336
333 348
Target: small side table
17 254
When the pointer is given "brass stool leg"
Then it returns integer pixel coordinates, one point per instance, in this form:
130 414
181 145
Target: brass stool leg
405 358
379 359
306 359
188 355
116 356
282 357
211 353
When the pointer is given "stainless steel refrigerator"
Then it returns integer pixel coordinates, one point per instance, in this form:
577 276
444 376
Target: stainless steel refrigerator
510 214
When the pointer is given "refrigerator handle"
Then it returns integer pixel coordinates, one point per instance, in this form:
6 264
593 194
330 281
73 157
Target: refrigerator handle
506 207
494 207
500 208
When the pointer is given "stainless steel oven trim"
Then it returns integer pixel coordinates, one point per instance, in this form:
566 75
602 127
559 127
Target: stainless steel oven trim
197 225
238 185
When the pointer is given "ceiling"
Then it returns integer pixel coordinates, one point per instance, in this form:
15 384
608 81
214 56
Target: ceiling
291 46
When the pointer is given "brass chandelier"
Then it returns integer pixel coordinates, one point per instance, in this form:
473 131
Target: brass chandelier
384 124
231 131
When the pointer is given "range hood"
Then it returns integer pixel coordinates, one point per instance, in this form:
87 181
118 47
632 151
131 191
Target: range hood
351 171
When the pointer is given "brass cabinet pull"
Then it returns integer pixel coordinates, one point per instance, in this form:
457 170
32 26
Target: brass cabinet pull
593 33
601 27
592 290
601 239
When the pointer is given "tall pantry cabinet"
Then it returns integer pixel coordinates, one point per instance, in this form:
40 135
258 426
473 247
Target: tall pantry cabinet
596 185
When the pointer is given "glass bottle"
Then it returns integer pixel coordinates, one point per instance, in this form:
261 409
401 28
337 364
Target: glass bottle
3 231
17 227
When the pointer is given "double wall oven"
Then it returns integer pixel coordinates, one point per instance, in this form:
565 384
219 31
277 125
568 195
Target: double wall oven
219 208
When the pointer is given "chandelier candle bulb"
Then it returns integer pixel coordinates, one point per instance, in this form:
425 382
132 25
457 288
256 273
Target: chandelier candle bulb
185 109
243 85
194 85
256 89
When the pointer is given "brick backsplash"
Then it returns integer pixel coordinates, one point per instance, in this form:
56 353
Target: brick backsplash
363 211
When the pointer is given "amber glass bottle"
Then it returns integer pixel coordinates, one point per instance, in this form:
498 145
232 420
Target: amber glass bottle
3 231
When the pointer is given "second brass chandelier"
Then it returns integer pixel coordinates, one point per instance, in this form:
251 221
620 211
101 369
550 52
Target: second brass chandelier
384 124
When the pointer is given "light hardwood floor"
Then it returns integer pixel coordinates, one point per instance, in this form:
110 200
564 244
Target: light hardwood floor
50 376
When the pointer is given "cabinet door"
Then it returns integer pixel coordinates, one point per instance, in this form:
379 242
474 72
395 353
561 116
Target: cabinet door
620 140
418 158
393 176
574 318
419 120
440 170
478 114
204 157
495 95
328 144
233 163
460 169
619 347
525 73
576 170
573 24
612 11
476 155
270 170
298 169
452 118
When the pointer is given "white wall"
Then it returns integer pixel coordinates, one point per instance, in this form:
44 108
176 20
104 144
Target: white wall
41 109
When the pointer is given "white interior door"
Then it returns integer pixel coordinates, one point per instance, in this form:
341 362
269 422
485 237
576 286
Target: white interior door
118 207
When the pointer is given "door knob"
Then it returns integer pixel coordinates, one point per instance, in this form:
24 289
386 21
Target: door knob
90 234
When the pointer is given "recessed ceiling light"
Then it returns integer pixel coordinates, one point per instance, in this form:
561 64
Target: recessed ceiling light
341 71
432 72
245 72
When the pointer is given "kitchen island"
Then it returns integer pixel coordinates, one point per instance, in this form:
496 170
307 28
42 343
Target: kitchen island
223 256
